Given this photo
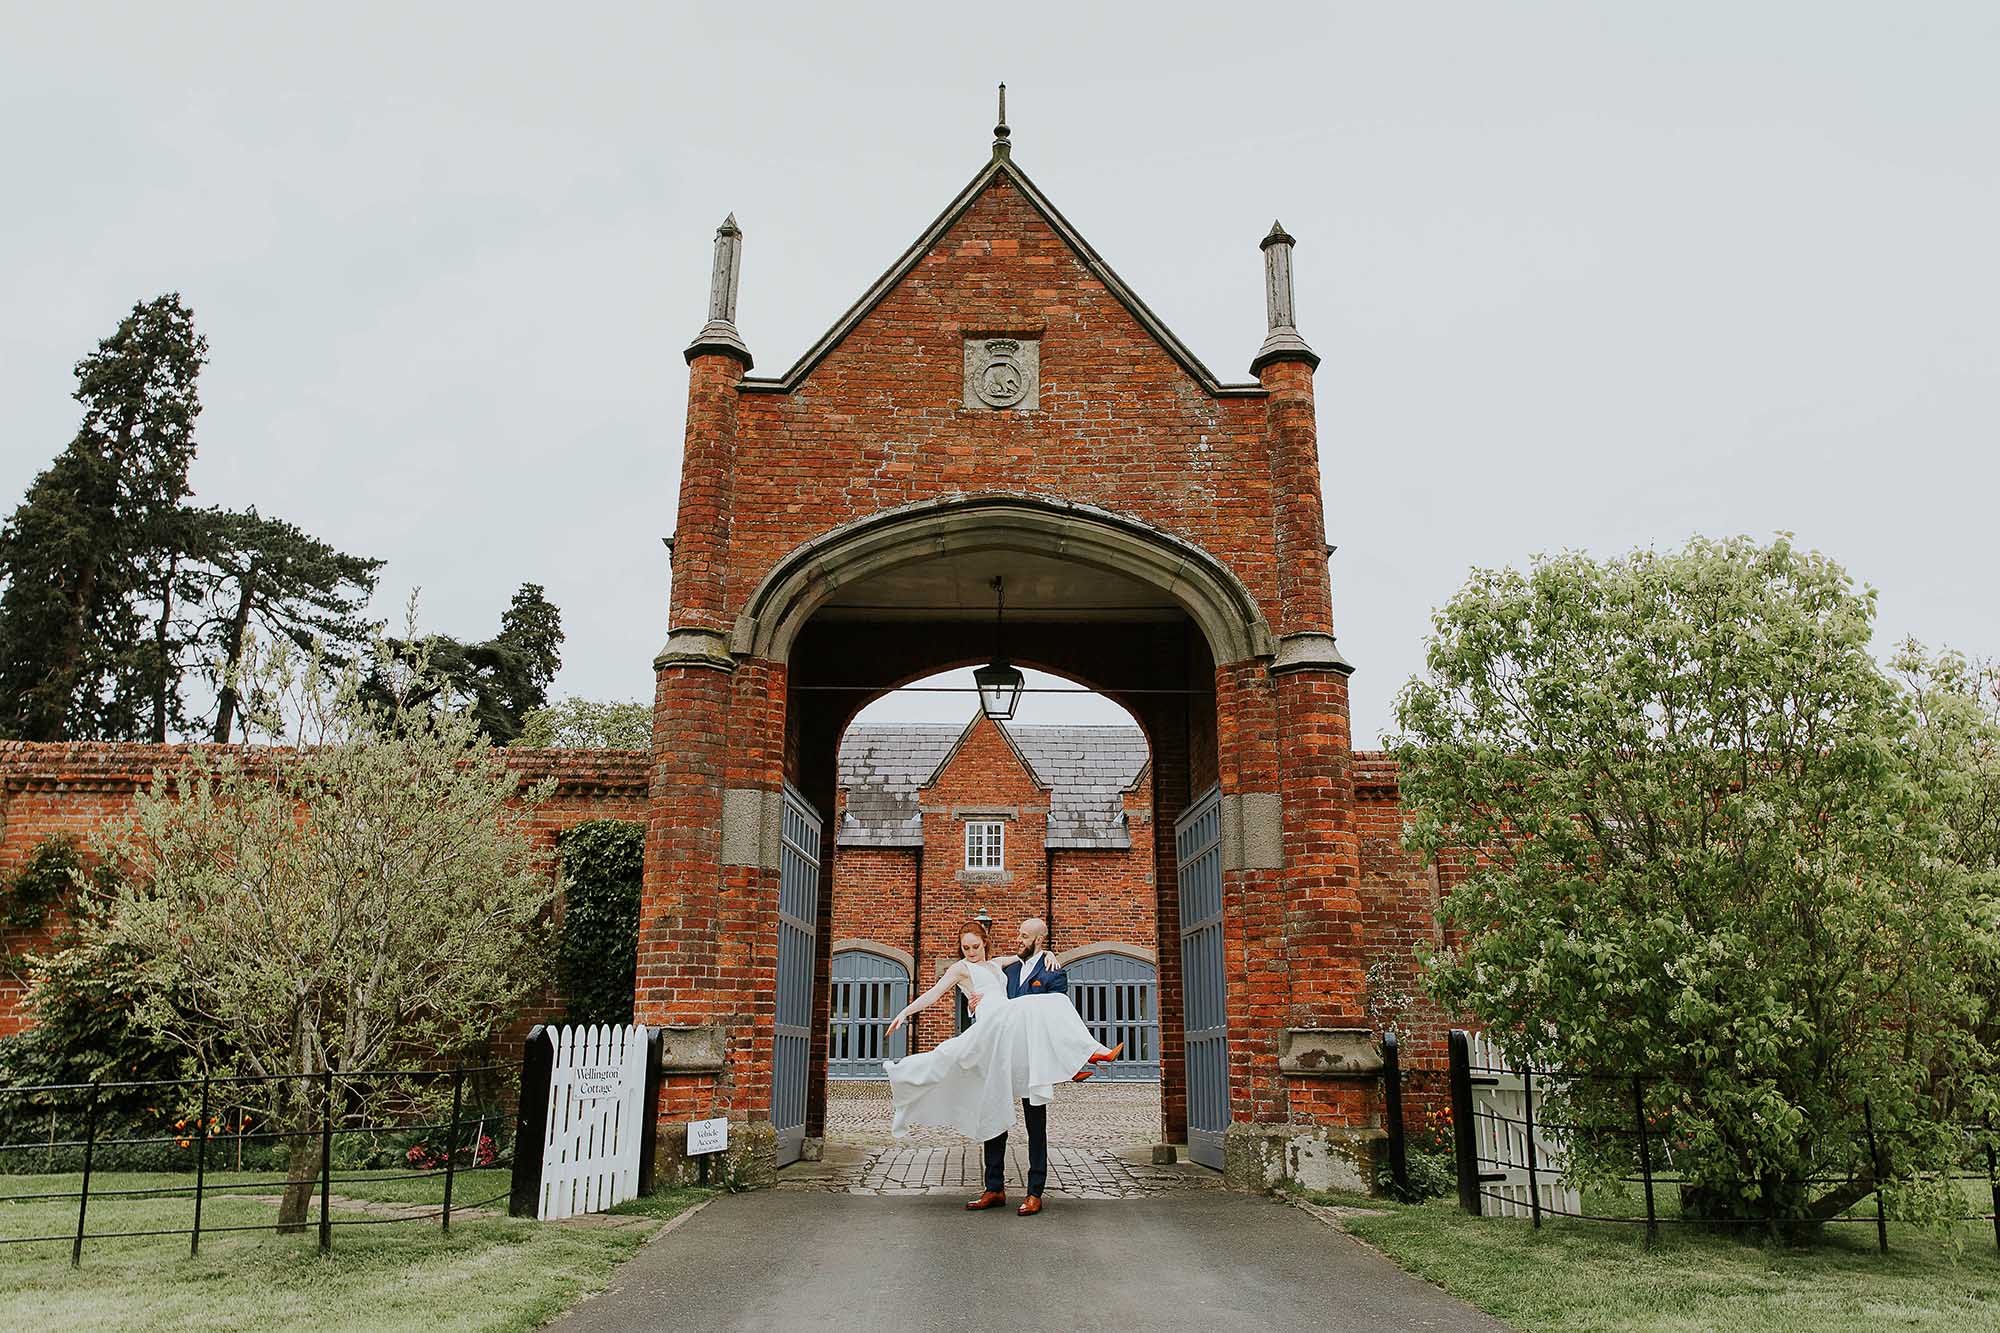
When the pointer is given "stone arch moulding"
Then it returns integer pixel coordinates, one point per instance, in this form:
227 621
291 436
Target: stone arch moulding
807 578
1136 952
879 949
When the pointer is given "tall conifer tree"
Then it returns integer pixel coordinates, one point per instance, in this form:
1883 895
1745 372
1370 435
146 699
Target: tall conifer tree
85 544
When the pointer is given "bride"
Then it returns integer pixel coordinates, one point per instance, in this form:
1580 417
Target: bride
1016 1049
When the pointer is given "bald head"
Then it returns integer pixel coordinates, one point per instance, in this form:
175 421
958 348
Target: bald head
1034 933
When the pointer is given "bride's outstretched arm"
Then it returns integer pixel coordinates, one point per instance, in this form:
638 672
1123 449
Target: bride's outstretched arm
931 996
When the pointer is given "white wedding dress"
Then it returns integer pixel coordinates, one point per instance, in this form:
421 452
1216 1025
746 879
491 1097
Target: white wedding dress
1015 1050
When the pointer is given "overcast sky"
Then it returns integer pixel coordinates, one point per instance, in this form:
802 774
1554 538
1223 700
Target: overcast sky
1583 276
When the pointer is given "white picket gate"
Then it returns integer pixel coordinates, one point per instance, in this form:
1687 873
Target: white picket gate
1502 1113
596 1122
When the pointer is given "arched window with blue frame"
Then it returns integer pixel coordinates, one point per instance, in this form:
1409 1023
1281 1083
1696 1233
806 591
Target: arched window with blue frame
868 990
1118 998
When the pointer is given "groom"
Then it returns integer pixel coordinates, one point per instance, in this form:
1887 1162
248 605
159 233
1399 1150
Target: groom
1035 974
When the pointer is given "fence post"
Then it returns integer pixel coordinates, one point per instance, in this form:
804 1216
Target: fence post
531 1122
1645 1156
83 1196
1875 1161
200 1166
451 1146
655 1072
1528 1110
1392 1087
1464 1150
326 1162
1993 1180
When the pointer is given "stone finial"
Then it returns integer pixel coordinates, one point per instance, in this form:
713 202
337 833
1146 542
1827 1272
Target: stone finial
1001 148
728 271
719 334
1283 342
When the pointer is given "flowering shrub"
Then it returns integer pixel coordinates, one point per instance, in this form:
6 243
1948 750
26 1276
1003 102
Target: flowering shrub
189 1127
1433 1131
426 1158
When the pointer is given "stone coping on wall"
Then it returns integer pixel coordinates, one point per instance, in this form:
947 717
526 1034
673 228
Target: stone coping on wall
122 766
1375 777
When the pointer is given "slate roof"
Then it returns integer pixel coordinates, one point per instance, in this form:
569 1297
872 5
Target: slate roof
1088 770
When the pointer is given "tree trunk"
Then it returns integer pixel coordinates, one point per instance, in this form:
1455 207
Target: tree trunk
225 713
160 685
300 1178
1840 1199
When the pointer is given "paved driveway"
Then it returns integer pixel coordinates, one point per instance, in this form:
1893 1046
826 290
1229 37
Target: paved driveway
1197 1260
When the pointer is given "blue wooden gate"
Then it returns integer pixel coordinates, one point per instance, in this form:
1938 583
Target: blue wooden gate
868 991
1198 854
798 915
1117 997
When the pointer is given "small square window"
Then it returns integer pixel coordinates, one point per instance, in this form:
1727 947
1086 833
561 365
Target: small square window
985 843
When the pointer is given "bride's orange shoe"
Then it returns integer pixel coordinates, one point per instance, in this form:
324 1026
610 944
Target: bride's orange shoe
1102 1057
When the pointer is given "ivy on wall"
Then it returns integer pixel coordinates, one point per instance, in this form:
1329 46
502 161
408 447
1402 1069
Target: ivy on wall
53 868
602 863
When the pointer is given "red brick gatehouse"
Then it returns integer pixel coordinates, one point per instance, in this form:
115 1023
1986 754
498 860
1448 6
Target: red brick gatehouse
999 405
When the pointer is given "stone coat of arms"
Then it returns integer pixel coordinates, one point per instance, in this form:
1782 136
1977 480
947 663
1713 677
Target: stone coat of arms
1004 374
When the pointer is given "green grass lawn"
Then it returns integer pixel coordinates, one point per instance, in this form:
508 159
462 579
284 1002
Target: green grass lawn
490 1272
1597 1276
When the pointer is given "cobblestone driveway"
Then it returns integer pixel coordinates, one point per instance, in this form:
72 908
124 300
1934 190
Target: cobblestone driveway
1092 1114
1074 1173
1100 1147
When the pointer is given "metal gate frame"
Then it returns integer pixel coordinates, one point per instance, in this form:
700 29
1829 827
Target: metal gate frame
1118 999
798 917
1205 1022
859 1012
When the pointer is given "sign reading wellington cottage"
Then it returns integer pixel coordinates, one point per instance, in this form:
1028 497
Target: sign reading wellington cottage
599 1082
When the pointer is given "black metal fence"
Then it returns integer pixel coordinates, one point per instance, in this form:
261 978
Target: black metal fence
1648 1139
103 1126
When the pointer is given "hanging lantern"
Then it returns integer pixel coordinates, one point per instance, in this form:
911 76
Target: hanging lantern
999 681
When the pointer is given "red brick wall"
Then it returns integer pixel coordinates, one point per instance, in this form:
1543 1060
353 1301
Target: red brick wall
1399 897
1110 896
80 789
875 895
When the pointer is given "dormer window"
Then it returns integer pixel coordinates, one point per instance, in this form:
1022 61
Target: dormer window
985 844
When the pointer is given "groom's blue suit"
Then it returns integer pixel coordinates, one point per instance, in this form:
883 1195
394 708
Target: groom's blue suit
1040 979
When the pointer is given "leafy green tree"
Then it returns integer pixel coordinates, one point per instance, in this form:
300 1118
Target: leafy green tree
1708 851
85 545
587 724
497 681
371 898
1955 752
257 576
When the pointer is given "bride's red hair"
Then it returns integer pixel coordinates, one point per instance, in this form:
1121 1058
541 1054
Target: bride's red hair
975 928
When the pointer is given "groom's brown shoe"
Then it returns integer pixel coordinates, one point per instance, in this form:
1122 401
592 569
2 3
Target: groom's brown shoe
1030 1206
990 1199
